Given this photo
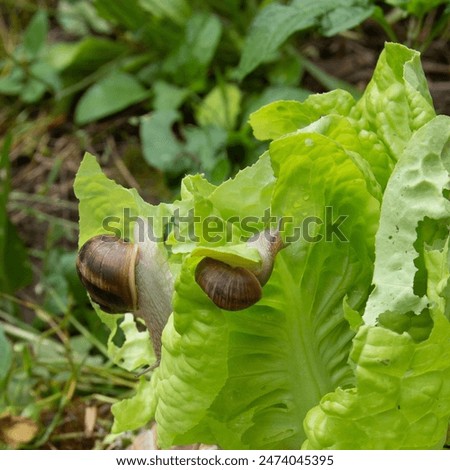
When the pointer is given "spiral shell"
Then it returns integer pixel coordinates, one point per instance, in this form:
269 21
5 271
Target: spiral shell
106 266
230 288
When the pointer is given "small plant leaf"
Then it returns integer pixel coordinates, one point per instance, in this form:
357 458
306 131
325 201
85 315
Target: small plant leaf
271 27
220 107
35 35
176 10
190 61
416 7
113 93
160 146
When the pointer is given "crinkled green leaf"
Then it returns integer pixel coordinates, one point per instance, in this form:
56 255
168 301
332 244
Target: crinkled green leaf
137 411
402 367
282 117
414 192
397 101
128 347
299 320
402 399
184 370
106 207
230 203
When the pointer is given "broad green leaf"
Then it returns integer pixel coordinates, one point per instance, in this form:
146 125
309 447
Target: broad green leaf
292 346
275 23
160 146
337 16
35 36
84 56
168 96
220 107
207 144
189 62
109 95
270 28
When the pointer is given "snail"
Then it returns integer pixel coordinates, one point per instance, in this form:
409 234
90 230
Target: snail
237 288
121 277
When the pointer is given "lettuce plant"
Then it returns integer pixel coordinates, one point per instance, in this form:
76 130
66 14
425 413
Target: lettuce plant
349 347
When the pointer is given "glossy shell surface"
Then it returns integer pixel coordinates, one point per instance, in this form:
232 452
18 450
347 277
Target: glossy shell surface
106 266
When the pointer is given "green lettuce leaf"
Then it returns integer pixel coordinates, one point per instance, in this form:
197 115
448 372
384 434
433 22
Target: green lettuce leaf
414 193
402 367
349 347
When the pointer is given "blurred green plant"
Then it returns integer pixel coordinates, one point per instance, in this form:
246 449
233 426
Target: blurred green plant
15 271
30 76
191 72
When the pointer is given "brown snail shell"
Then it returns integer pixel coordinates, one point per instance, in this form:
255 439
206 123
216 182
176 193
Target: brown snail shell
237 288
230 288
106 267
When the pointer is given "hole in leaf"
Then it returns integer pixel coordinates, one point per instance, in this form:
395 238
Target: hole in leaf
119 337
417 326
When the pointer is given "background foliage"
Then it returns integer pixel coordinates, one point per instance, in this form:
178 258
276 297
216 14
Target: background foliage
156 89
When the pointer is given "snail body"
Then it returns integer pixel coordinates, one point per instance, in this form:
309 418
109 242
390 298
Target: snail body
237 288
124 277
